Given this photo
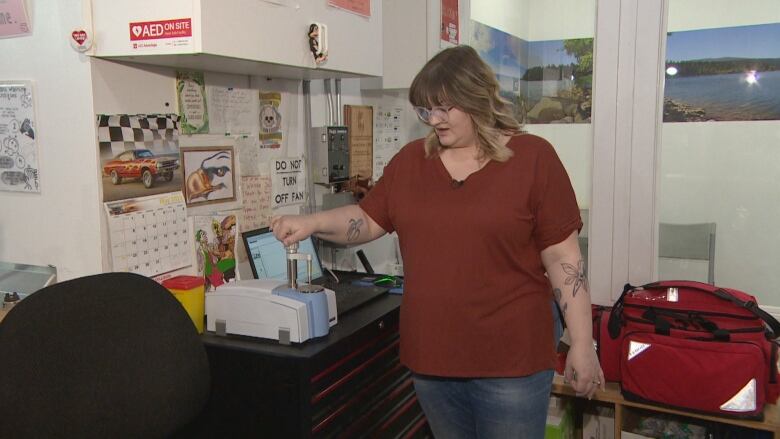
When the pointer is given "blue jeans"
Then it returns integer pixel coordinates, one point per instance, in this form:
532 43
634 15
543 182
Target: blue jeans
487 408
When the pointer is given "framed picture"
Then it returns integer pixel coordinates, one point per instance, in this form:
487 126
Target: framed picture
209 175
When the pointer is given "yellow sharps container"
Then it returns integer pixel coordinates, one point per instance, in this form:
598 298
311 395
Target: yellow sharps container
190 291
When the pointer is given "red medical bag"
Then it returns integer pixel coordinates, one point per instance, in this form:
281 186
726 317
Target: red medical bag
691 345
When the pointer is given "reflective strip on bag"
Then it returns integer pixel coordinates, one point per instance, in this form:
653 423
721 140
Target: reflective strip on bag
744 400
635 348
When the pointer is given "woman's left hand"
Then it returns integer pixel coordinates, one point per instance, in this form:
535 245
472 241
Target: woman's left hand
583 371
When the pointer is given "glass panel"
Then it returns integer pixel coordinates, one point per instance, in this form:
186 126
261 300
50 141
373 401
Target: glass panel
542 52
720 153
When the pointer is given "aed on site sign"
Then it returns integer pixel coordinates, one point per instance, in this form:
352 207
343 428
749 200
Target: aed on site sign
155 30
161 34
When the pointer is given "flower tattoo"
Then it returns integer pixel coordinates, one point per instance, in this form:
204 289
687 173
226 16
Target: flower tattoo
575 276
353 232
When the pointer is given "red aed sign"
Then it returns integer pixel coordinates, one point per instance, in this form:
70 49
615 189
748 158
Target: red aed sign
155 30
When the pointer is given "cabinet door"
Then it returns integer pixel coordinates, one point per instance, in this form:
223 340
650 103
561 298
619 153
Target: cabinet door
240 36
411 36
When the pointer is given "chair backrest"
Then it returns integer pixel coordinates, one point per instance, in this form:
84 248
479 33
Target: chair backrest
689 241
110 355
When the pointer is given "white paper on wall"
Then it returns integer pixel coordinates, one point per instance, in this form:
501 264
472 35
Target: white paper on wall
233 111
18 145
250 156
387 137
256 193
289 181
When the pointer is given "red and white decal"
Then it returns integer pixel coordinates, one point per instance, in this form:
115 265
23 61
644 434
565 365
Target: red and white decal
155 30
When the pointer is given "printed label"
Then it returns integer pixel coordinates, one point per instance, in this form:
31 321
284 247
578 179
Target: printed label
155 30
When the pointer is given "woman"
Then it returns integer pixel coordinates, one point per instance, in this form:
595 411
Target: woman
487 222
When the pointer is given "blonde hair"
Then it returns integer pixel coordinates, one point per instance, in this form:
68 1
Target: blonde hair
458 76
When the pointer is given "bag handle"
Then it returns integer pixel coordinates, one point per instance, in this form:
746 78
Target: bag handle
749 305
664 327
616 316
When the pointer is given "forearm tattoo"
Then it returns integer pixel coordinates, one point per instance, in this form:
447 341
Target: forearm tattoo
575 276
563 306
353 232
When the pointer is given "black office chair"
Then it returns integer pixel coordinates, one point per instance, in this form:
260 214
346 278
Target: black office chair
107 356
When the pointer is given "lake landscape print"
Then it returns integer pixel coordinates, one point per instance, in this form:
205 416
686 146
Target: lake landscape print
546 81
723 74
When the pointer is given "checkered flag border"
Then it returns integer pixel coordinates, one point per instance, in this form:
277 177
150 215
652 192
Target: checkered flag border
158 133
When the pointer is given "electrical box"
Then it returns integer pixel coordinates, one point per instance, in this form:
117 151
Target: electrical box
330 154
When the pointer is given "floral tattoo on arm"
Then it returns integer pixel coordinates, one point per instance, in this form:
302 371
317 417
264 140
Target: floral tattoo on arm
575 276
558 297
353 232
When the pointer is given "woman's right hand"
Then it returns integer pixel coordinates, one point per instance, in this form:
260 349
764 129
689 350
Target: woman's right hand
290 229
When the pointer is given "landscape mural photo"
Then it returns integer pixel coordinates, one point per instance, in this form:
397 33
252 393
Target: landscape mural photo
546 81
723 74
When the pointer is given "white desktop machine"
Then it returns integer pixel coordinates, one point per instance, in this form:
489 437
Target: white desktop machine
271 308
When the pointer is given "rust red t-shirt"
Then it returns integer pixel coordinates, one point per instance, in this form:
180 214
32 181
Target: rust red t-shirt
476 299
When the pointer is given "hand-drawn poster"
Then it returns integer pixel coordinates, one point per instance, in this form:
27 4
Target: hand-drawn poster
289 181
209 175
215 248
256 195
18 147
232 111
191 94
270 120
148 235
14 21
139 154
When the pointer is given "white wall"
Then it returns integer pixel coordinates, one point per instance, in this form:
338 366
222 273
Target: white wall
727 173
59 226
538 20
707 14
510 16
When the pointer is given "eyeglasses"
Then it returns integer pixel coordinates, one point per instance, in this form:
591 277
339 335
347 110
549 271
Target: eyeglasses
425 114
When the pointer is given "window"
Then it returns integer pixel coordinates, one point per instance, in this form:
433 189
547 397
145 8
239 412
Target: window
719 150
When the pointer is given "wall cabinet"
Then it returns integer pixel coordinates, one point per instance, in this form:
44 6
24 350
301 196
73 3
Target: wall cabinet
625 411
250 37
411 36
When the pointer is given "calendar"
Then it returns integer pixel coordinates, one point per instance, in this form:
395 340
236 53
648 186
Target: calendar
148 235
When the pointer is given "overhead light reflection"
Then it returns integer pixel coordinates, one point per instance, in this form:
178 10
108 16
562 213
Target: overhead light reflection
751 77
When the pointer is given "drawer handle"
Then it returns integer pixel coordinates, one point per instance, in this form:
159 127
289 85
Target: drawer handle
381 324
